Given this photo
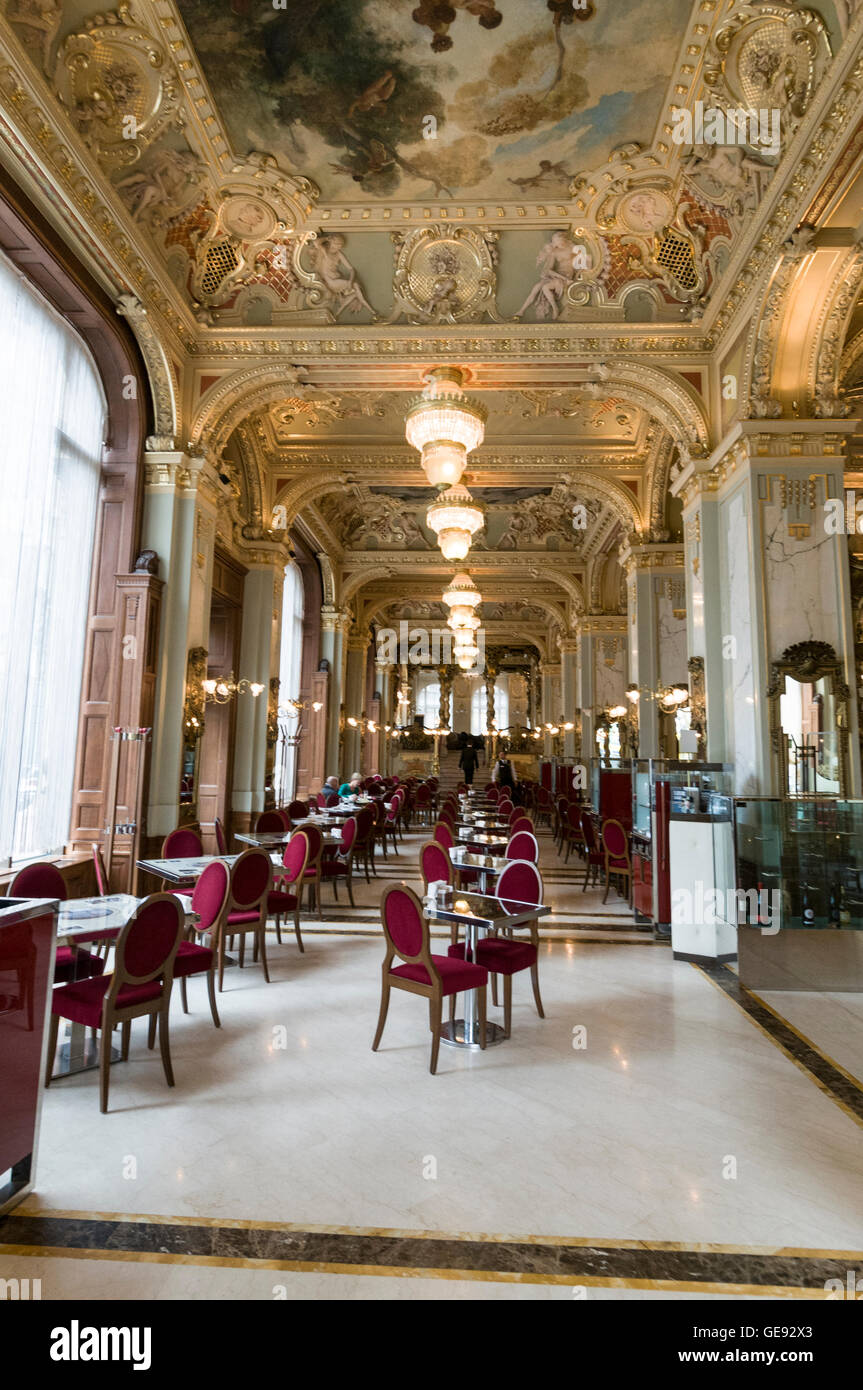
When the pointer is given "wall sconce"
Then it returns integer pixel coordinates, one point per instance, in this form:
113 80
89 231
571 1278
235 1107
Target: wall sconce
225 688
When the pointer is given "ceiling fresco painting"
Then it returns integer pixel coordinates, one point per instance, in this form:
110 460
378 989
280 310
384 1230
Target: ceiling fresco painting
387 98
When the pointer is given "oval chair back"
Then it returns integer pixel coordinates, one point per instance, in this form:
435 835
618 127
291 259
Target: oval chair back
282 813
321 800
492 791
521 822
515 814
312 872
366 836
349 835
295 859
210 897
435 865
269 821
588 831
406 930
520 882
505 806
250 880
443 835
221 838
182 843
523 845
614 842
41 880
298 810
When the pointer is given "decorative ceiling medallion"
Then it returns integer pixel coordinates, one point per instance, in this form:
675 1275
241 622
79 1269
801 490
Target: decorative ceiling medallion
248 218
445 275
767 57
231 254
112 76
645 211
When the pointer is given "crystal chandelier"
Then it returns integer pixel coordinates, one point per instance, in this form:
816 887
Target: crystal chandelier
462 592
455 519
445 426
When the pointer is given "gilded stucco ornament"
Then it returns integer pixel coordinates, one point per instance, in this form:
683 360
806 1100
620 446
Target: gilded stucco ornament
116 82
445 275
766 57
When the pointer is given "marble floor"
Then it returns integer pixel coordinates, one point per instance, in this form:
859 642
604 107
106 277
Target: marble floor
702 1144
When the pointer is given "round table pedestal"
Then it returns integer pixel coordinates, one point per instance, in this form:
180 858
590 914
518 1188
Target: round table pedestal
453 1034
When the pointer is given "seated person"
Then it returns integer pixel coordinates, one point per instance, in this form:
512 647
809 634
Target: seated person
330 790
352 787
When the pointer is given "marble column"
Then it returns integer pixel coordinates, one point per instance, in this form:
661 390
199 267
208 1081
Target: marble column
383 680
569 691
354 701
262 589
550 677
768 571
334 628
603 671
657 631
169 528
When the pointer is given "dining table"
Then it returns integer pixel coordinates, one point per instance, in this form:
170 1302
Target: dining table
77 920
489 839
265 839
181 870
477 913
488 866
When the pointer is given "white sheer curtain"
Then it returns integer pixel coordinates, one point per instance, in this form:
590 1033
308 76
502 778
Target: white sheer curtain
290 671
50 467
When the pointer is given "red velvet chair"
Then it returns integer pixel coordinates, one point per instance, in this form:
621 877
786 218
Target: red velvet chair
284 817
435 864
194 957
423 804
443 834
573 834
365 841
45 880
391 822
523 845
298 810
340 865
280 900
492 791
432 977
139 986
269 822
594 857
312 874
506 955
522 822
618 863
544 806
251 879
182 843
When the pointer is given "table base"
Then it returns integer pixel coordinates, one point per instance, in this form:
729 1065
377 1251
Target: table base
72 1058
453 1034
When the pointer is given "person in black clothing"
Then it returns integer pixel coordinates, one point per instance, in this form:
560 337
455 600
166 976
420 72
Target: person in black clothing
468 761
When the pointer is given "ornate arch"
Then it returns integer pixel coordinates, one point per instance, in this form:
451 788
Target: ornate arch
237 395
826 362
666 397
160 374
614 495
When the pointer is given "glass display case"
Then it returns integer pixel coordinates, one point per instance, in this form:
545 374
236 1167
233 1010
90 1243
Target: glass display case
810 853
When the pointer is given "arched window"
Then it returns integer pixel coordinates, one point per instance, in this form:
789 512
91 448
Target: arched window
54 415
290 664
428 702
479 707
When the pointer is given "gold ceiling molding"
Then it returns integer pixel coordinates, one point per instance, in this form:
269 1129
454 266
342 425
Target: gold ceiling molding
445 274
160 371
825 361
819 140
119 88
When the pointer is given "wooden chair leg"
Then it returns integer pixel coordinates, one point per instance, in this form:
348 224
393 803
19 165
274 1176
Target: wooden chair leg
242 949
298 934
494 990
607 884
349 881
587 869
382 1016
481 1010
211 991
184 994
104 1069
164 1046
435 1012
507 1005
126 1035
221 964
335 883
261 935
151 1031
534 980
278 929
53 1035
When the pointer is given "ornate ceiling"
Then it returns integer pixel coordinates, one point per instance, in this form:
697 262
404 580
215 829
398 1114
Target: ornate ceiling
302 206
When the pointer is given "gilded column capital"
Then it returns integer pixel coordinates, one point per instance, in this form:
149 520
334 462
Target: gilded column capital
171 471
